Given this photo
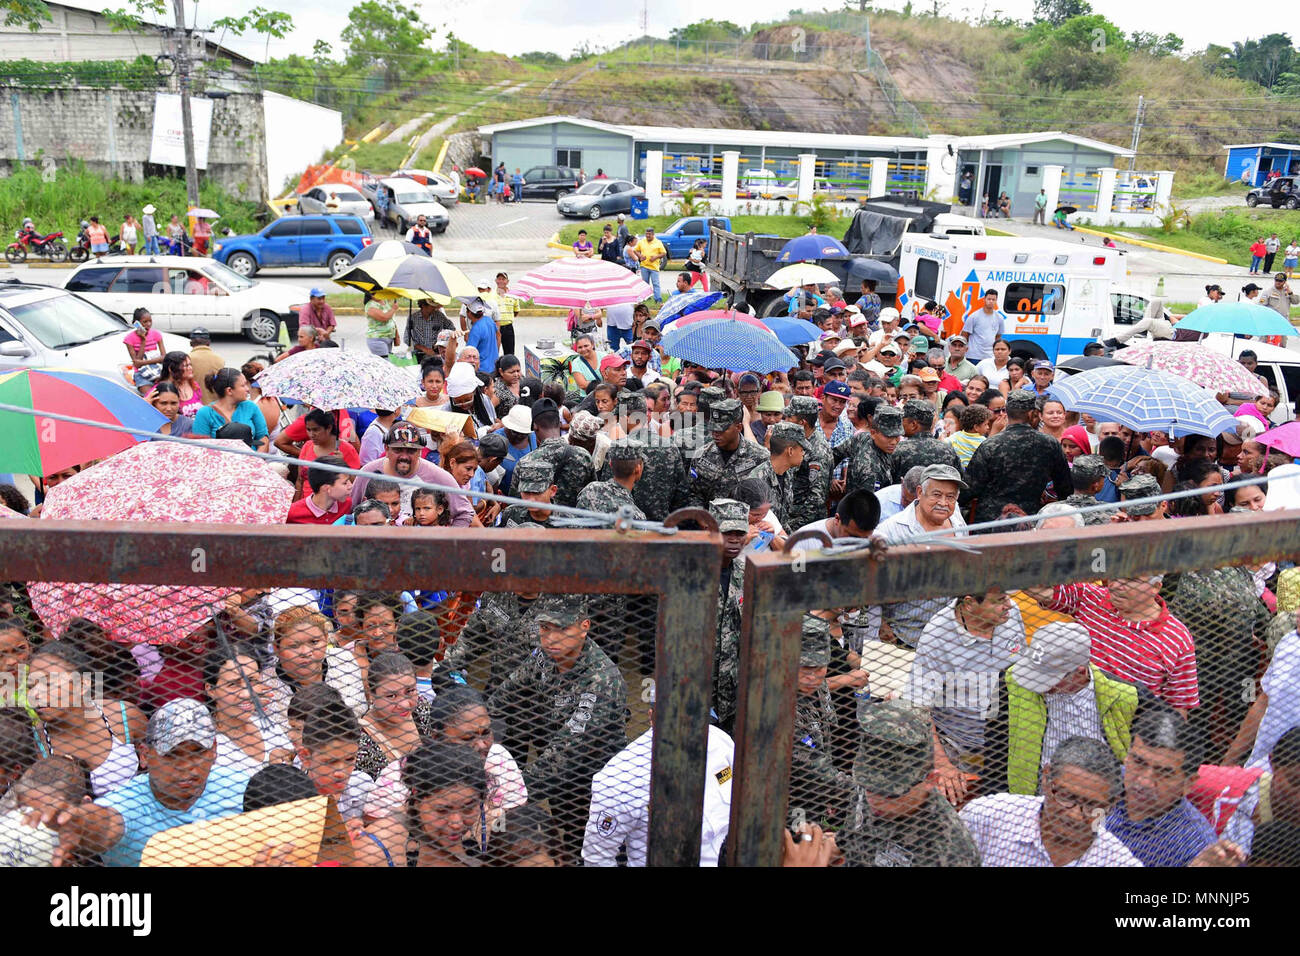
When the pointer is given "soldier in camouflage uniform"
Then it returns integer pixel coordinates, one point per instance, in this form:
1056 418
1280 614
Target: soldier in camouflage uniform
1016 465
787 447
609 611
870 453
918 446
534 480
1089 474
568 702
717 470
817 790
504 625
733 524
662 488
692 439
812 479
573 468
897 817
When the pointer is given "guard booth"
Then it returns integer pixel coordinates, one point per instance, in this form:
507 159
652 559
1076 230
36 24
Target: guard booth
1252 164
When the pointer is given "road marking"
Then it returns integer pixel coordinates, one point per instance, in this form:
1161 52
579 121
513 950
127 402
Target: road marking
512 222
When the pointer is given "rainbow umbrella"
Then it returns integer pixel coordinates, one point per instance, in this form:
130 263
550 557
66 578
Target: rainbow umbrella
31 444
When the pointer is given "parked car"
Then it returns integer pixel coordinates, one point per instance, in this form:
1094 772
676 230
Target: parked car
400 201
548 182
600 197
1276 193
184 293
680 237
444 188
44 326
350 202
329 241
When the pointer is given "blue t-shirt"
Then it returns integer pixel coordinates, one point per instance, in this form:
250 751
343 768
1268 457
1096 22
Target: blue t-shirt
208 422
483 336
513 455
143 816
1169 840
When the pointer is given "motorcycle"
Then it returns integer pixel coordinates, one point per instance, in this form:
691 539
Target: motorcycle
81 251
50 247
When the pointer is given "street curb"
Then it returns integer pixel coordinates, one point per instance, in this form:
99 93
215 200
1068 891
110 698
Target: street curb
1152 245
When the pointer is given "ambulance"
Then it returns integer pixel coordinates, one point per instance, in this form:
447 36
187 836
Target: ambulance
1055 296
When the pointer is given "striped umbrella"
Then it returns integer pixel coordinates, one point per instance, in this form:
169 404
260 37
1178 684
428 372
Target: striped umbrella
1197 363
35 445
578 282
1144 399
731 344
388 249
408 277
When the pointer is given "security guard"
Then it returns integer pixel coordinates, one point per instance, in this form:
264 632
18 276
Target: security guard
722 465
620 801
817 790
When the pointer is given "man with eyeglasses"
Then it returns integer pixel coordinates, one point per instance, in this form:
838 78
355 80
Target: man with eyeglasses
1060 828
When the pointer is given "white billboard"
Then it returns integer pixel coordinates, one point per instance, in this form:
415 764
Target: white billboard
168 146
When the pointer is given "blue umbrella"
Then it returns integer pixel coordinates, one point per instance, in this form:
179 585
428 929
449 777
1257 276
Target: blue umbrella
811 248
1237 318
1144 399
731 344
793 331
684 304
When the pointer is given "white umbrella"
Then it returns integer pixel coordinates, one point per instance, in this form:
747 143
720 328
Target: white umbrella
200 213
801 273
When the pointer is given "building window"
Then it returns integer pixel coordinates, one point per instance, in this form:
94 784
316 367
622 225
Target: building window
1031 170
569 157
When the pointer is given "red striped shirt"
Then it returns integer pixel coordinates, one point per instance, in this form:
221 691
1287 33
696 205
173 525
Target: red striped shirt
1157 654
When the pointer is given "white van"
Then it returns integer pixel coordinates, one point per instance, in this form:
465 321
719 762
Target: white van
1055 296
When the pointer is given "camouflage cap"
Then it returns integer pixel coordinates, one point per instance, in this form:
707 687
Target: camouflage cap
711 394
918 411
1019 400
1089 468
730 514
789 431
724 413
1140 486
562 609
895 750
815 642
631 401
804 407
888 420
180 721
625 449
534 474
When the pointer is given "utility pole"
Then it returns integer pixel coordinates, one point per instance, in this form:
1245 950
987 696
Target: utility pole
1137 131
187 120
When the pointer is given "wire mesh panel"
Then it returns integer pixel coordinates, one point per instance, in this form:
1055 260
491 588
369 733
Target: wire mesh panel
1122 695
439 697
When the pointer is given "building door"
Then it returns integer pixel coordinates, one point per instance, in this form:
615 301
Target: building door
991 186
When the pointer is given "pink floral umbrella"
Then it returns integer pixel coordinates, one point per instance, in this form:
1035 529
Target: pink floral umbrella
158 481
1196 363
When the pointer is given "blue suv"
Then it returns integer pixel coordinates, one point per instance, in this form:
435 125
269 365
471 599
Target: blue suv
329 241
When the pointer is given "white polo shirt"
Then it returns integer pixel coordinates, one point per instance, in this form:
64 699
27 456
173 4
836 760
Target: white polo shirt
1006 830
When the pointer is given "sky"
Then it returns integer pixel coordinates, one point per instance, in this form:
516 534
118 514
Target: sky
560 25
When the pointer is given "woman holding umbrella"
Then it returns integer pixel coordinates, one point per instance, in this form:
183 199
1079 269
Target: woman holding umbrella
381 328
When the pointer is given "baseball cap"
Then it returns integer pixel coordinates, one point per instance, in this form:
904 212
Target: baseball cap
814 642
651 324
494 444
518 419
771 402
895 750
621 217
542 406
838 389
562 609
857 318
820 358
833 364
584 425
642 344
316 292
831 335
890 349
403 435
1058 649
920 343
462 380
533 474
724 414
900 334
928 375
888 314
943 473
731 515
200 334
475 304
790 431
445 336
178 721
612 361
888 420
1043 363
484 283
959 337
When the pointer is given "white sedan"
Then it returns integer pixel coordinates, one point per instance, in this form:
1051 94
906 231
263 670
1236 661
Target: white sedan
349 201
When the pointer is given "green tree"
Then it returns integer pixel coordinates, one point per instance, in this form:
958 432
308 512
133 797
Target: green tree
1154 45
1085 51
391 33
707 30
29 13
268 23
541 58
1056 12
1264 60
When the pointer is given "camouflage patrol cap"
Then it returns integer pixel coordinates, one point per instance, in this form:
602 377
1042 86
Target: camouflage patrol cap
888 420
626 449
562 609
534 474
1089 468
631 401
804 407
789 431
709 395
918 411
724 413
730 514
1019 400
1140 486
815 642
895 750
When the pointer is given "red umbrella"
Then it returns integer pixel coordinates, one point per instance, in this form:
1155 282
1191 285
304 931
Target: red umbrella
475 172
720 314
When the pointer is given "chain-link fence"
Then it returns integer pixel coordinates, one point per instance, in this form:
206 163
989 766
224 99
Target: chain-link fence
1115 695
366 696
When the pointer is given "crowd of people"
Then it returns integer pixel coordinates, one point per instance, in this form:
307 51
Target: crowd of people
455 728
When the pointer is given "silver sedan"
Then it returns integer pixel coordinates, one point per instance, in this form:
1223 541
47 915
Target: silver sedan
600 197
335 198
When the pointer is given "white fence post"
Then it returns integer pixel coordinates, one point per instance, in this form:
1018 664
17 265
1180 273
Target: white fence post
654 181
730 178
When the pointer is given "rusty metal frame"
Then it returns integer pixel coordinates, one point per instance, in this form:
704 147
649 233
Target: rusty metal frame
779 588
681 570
